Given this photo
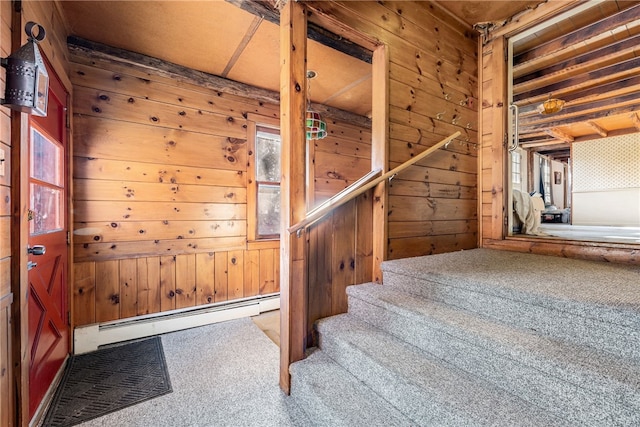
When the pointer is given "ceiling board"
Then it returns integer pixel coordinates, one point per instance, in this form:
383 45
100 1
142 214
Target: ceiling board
189 33
259 62
474 12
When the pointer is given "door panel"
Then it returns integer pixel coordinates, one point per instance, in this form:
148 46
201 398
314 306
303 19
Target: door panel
48 267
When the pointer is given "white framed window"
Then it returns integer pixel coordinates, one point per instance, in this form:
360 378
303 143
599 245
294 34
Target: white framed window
516 167
264 172
546 179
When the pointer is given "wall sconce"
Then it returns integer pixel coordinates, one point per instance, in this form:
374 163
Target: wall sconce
315 127
27 82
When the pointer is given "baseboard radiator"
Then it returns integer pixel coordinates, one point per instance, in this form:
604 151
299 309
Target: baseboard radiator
88 338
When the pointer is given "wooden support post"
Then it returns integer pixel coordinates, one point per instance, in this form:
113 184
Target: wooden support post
380 155
293 271
498 149
19 241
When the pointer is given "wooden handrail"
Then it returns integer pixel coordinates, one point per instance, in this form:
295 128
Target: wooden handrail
363 184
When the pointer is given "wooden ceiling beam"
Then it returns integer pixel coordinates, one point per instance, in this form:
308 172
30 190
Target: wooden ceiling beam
529 139
633 108
636 121
616 88
556 154
580 36
267 10
599 129
611 73
604 104
242 45
559 134
548 143
593 60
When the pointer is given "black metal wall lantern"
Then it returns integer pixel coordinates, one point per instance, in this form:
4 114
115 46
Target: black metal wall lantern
27 87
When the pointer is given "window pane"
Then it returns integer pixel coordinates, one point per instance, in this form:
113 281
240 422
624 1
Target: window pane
46 204
268 210
45 159
267 157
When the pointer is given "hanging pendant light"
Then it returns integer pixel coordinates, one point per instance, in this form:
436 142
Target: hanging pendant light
550 106
315 127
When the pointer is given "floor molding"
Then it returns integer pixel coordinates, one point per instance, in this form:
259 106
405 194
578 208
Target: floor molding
88 338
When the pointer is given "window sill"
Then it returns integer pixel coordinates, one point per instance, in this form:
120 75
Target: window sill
263 244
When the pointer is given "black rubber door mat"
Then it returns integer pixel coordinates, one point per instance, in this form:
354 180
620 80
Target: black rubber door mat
108 380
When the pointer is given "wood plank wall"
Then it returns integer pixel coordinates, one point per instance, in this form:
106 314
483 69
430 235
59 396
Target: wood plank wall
338 160
160 201
433 93
340 254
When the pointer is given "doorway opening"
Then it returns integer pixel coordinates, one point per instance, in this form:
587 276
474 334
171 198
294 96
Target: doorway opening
574 134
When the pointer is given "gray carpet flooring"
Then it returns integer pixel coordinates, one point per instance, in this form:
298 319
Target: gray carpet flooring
481 338
224 374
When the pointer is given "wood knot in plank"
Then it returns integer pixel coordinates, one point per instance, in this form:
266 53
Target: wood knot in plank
114 298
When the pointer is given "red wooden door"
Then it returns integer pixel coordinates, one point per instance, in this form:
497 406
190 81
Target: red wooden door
48 226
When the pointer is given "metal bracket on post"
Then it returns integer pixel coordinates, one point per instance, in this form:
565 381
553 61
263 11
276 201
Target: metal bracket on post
299 233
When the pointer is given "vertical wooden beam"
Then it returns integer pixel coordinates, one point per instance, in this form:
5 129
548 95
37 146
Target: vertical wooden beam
19 241
293 280
481 160
19 278
380 155
498 147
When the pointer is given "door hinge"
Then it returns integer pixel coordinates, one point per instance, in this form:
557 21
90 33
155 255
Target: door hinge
69 318
68 238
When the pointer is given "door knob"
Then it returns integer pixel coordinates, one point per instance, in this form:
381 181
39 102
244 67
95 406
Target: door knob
36 250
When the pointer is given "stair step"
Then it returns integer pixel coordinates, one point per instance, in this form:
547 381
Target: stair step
426 390
585 302
331 396
573 382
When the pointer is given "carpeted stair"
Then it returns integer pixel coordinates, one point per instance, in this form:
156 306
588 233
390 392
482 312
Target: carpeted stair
479 338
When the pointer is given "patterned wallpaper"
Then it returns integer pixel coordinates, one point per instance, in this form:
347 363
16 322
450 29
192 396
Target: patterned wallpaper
607 163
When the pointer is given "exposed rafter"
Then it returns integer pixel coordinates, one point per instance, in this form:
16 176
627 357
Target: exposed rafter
607 105
547 143
635 118
268 10
599 130
562 136
559 122
582 35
